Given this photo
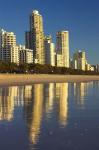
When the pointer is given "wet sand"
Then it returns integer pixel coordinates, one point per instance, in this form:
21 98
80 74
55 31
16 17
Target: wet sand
22 79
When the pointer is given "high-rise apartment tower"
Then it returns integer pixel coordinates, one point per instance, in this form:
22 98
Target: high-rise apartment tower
35 37
62 48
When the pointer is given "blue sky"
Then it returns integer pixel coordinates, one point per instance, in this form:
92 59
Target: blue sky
80 17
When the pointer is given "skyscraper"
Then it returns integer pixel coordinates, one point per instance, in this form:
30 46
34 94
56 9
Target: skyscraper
49 51
62 48
35 37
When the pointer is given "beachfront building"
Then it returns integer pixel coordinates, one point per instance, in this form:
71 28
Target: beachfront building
35 37
97 67
8 48
79 60
88 67
49 51
62 49
93 68
59 60
26 55
14 54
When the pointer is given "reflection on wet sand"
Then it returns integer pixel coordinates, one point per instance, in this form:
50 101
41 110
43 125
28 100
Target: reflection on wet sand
80 91
40 99
7 99
62 94
33 111
37 113
50 98
31 97
35 108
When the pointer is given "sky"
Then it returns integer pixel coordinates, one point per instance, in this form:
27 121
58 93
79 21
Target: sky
79 17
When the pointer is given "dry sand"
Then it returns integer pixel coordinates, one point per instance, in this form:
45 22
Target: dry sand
22 79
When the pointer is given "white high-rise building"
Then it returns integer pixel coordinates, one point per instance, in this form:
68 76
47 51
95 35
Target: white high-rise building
8 48
49 51
62 48
79 60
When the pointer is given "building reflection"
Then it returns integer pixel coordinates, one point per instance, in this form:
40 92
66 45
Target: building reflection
62 95
33 111
8 95
35 100
28 94
50 99
80 92
37 106
19 100
12 97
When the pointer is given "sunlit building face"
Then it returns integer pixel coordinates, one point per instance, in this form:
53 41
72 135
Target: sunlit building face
35 37
62 48
8 48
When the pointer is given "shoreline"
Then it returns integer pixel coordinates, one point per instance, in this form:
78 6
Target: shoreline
23 79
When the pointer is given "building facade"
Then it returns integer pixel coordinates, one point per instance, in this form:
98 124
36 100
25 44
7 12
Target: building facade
35 37
26 55
49 51
62 48
8 48
79 60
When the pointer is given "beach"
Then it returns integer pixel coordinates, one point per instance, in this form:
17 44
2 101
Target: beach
23 79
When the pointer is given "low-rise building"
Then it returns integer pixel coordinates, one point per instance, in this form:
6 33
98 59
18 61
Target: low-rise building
26 55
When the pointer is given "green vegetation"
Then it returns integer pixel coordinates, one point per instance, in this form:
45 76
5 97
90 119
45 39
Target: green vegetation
6 67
